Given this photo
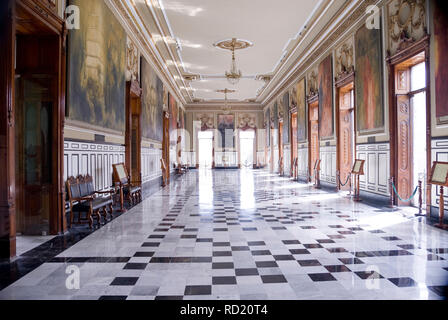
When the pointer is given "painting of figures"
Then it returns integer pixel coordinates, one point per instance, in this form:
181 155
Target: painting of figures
368 81
301 111
325 82
97 68
267 120
285 117
441 58
226 127
172 106
152 103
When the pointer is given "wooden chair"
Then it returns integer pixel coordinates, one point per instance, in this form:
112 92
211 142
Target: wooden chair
82 197
122 181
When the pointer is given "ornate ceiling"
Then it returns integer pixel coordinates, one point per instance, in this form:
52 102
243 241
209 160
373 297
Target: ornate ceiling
180 36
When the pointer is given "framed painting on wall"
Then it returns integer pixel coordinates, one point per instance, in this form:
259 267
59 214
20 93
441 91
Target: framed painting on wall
368 81
152 103
226 128
301 112
97 67
286 116
325 82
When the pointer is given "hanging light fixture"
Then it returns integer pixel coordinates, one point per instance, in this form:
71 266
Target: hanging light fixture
226 108
234 74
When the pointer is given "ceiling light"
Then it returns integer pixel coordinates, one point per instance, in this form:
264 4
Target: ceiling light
234 75
226 108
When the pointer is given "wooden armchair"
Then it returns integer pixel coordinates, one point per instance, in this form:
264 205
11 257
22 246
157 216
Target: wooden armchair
122 181
82 197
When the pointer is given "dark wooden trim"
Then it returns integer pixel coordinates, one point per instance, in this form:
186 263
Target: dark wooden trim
311 98
410 51
344 79
7 131
133 94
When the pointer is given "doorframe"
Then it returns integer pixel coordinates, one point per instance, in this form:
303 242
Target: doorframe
198 164
133 92
255 144
280 147
341 82
294 144
43 18
410 49
312 99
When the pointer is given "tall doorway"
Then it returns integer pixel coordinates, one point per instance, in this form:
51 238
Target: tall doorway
280 149
313 135
246 145
293 136
346 133
411 127
205 139
133 131
38 118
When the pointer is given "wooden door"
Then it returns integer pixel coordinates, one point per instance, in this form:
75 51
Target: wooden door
345 137
293 142
314 135
280 148
34 153
404 181
133 131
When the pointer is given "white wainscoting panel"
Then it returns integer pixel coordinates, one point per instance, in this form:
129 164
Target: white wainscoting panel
328 164
189 158
287 160
95 159
226 159
151 166
261 158
302 154
439 152
276 167
377 167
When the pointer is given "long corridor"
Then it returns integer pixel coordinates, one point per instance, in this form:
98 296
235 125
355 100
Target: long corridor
247 234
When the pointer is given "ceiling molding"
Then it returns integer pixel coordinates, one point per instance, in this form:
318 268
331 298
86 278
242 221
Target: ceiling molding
329 38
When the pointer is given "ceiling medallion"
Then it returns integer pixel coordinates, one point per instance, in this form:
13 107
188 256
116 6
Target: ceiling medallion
234 75
226 108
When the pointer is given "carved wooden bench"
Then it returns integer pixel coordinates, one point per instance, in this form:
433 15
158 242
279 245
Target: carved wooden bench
83 197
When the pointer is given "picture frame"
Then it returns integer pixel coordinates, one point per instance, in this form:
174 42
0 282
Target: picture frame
439 173
358 167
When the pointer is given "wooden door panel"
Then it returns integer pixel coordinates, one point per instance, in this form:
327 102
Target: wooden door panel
314 136
404 148
345 146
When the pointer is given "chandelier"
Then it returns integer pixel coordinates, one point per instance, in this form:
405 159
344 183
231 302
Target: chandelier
226 108
234 75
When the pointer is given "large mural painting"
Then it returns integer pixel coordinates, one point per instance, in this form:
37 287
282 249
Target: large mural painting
301 112
152 103
441 58
286 118
97 67
226 128
173 117
325 82
368 81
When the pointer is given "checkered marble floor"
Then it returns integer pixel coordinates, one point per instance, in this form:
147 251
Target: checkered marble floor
230 234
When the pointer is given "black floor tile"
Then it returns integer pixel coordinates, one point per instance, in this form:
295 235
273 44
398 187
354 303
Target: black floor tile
198 290
273 279
246 272
266 264
319 277
309 263
223 280
124 281
403 282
